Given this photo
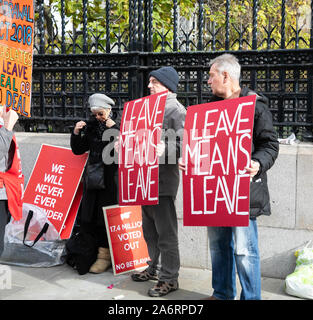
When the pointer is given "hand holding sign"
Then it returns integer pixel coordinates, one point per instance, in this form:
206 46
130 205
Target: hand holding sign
253 169
181 165
9 117
160 148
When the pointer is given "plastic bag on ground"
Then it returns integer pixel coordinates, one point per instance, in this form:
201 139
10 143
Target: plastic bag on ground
22 249
300 282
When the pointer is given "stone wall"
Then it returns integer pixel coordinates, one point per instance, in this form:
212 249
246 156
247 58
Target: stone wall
288 228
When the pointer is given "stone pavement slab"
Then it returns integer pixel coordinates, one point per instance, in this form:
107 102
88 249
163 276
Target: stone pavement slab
64 283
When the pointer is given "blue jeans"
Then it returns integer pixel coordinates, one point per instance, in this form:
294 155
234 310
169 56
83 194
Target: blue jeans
233 247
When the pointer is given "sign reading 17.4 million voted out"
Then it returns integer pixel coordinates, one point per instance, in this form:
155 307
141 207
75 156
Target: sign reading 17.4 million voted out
16 54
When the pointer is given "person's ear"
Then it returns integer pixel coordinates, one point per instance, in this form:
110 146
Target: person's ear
225 76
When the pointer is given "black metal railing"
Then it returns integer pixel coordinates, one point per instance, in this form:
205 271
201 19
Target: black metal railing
255 27
115 55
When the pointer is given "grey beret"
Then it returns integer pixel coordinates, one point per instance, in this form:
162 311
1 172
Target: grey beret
100 100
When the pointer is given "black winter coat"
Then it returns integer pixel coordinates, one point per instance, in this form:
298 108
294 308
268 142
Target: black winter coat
90 140
265 148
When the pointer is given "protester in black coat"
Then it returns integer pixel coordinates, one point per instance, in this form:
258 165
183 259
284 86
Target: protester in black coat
236 247
264 150
94 136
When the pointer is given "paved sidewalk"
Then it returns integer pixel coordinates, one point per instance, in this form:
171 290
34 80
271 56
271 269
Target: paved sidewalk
64 283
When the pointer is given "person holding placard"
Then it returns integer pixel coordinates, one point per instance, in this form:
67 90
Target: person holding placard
100 187
8 119
237 247
160 221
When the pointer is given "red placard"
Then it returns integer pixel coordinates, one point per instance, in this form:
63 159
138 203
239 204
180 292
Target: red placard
127 245
16 54
70 220
53 186
216 149
140 133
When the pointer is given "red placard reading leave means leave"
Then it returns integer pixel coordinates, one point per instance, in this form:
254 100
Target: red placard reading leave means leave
140 132
216 149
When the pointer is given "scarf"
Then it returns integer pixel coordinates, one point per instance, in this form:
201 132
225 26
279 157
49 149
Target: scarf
100 127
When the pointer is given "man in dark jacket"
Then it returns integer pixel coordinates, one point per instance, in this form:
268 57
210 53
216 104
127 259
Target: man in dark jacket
160 221
238 246
233 247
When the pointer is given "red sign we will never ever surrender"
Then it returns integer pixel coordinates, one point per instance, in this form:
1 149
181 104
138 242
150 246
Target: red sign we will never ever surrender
54 186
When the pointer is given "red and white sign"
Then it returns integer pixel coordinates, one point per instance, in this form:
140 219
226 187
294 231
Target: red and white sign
127 245
54 185
217 148
140 132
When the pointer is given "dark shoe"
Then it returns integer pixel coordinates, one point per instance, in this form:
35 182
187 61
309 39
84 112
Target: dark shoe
162 288
143 276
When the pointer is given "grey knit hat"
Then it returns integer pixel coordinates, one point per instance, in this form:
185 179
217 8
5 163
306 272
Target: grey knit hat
100 100
168 76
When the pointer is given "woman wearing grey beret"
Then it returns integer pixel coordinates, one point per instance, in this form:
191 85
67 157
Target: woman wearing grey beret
100 189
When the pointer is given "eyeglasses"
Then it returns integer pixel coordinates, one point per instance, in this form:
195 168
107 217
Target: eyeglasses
98 114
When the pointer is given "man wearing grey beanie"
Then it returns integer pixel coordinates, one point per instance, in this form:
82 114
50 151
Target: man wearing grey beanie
159 222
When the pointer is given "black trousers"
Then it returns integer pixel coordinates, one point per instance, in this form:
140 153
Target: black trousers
91 214
4 219
160 230
97 232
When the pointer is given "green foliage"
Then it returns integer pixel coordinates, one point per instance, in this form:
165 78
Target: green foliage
268 22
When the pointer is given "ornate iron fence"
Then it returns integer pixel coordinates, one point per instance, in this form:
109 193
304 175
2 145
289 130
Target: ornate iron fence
76 62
